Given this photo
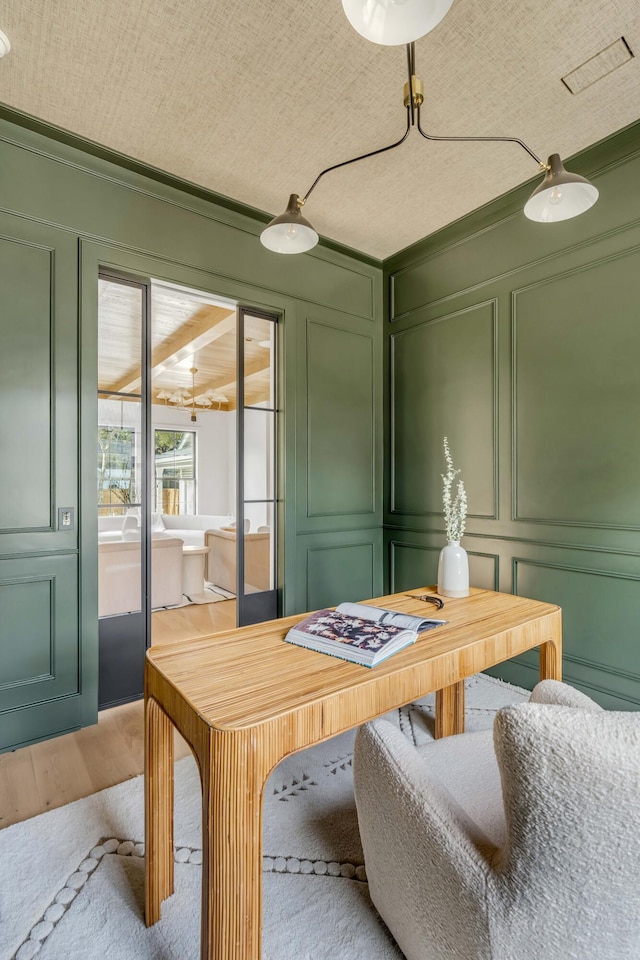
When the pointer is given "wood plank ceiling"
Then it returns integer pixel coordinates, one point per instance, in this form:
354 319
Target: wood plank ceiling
187 332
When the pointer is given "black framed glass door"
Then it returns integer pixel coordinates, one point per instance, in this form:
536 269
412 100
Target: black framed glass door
122 487
257 502
187 504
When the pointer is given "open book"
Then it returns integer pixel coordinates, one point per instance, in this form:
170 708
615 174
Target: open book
359 633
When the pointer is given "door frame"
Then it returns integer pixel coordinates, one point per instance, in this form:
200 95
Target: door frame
265 605
95 255
127 636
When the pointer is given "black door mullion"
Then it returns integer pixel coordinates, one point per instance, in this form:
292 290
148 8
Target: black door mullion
123 638
263 605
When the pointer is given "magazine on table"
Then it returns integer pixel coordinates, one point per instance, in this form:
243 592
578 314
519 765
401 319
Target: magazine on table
359 632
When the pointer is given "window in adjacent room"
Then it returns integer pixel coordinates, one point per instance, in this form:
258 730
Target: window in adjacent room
175 471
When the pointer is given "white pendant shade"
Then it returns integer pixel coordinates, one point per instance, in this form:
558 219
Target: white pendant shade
560 196
288 238
290 232
5 46
392 22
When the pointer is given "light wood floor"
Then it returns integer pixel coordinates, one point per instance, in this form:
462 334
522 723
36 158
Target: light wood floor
47 775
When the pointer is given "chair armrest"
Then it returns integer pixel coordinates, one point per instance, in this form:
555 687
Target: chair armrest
562 695
413 830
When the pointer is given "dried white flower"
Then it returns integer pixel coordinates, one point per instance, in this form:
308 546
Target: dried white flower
455 508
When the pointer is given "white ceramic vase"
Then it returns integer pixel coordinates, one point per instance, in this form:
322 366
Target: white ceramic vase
453 570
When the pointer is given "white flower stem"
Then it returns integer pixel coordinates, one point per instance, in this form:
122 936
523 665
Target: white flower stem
455 507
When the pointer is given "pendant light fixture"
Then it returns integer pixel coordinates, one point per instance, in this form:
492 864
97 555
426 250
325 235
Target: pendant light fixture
290 232
193 371
392 22
180 396
560 196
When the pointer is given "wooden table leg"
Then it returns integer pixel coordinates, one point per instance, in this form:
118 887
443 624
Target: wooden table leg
551 660
232 846
551 651
158 800
450 710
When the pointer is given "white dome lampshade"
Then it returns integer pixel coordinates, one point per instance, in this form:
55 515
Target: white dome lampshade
5 46
290 232
561 195
392 22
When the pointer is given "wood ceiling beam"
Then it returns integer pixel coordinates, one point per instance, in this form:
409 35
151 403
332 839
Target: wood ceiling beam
253 366
205 326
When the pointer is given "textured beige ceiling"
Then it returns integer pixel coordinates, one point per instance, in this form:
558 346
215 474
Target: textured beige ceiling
252 98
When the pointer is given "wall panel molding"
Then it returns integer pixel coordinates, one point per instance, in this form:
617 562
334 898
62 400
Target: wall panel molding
418 422
574 248
328 275
29 462
566 414
606 602
39 665
481 574
340 380
563 360
336 567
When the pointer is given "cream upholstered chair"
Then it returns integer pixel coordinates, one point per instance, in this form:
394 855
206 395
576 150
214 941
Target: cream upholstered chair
524 846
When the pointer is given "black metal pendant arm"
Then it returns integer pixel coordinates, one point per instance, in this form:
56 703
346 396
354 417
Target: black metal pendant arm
431 136
411 67
363 156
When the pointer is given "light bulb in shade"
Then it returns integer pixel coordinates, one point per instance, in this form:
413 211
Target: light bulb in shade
290 232
392 22
561 195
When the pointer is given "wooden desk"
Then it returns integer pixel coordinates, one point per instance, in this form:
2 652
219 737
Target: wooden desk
244 700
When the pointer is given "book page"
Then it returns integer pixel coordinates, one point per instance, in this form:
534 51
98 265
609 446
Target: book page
340 627
388 617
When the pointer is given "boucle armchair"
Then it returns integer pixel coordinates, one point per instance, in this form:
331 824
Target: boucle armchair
521 847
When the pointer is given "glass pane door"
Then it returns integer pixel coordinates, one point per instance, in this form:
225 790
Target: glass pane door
257 481
121 489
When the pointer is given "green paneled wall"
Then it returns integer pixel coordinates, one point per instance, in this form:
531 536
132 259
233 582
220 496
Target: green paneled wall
451 376
520 342
64 212
25 374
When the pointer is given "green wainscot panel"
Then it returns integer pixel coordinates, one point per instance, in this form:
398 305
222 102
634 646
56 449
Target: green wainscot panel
600 622
39 651
577 341
341 422
338 573
139 213
483 570
524 672
498 240
25 375
443 385
414 566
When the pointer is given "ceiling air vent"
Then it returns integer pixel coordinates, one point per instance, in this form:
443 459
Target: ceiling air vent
598 66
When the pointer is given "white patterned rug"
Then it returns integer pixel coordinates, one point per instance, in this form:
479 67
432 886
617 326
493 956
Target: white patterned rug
72 880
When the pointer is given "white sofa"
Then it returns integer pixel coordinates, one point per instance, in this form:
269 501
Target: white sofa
221 559
191 529
119 558
114 528
119 575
